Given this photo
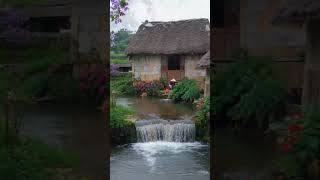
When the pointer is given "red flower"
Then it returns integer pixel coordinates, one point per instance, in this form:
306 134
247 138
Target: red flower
285 147
295 128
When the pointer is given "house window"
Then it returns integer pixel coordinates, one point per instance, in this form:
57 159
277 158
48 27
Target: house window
174 62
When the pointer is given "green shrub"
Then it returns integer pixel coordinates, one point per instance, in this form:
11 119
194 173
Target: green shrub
164 81
186 90
202 122
123 85
118 115
249 92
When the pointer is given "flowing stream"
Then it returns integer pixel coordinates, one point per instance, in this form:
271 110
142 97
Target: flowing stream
166 147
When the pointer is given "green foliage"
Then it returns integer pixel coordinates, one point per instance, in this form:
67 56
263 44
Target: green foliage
118 58
121 40
118 115
249 91
202 121
123 85
186 90
301 154
164 81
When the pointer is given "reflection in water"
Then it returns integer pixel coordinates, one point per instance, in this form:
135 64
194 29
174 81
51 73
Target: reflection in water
166 150
147 107
80 129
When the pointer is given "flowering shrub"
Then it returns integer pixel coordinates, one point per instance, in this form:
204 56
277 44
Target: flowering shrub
114 70
301 145
152 88
118 9
93 84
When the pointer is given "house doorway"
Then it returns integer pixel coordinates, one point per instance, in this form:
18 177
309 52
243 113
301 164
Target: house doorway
173 67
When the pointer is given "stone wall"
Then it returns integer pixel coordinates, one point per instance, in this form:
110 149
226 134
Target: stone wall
146 68
192 72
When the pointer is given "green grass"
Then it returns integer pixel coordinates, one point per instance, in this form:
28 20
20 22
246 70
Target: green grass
119 61
118 58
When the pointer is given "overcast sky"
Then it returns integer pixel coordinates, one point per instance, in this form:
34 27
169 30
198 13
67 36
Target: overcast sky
162 10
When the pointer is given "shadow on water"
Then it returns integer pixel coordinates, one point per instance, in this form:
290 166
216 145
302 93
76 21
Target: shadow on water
77 128
243 157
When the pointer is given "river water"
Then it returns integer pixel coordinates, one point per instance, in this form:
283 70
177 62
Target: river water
166 149
78 129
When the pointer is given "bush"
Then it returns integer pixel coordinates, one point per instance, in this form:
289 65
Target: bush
118 115
249 92
187 90
202 122
301 145
153 88
123 85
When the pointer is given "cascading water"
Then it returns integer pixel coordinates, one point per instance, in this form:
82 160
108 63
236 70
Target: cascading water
165 147
161 130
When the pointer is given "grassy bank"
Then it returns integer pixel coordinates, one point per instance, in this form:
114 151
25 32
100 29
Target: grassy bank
31 158
122 129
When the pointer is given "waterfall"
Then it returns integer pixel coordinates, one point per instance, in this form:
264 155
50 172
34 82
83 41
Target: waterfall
161 130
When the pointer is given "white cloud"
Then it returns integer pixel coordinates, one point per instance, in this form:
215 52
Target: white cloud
162 10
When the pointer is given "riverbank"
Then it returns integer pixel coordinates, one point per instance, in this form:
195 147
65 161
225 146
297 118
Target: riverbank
78 129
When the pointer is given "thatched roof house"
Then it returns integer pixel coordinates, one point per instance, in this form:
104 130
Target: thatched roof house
169 49
175 37
205 61
307 13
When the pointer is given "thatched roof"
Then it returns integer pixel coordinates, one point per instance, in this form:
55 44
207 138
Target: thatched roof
296 11
204 61
175 37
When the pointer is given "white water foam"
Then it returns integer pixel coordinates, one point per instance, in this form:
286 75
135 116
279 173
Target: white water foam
151 150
